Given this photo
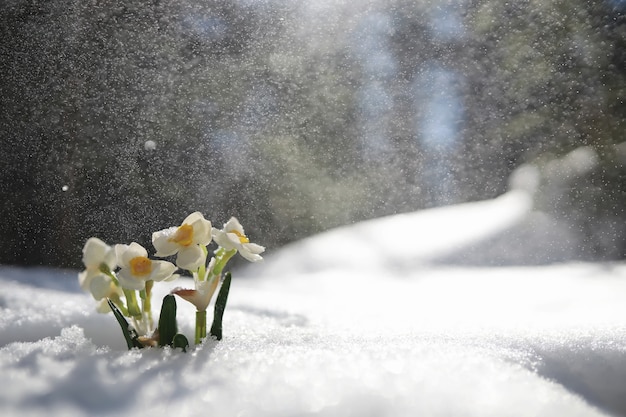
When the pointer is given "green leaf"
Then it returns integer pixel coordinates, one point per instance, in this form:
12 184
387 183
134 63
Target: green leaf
167 321
130 334
220 306
180 341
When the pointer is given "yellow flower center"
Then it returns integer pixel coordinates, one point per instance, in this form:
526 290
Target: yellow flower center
140 266
183 235
242 237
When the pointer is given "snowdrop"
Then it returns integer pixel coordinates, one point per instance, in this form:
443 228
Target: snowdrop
201 296
137 268
188 240
233 237
104 287
128 291
206 280
230 240
98 258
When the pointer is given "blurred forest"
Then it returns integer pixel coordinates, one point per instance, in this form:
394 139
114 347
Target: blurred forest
119 118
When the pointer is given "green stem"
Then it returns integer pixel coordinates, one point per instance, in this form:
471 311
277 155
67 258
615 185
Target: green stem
104 268
202 270
200 326
119 304
146 298
133 306
222 258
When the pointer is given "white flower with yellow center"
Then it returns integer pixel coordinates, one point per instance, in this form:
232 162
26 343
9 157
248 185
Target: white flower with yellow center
186 240
137 268
232 236
97 258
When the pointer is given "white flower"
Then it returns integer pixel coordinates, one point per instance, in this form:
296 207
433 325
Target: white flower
102 286
137 268
185 240
96 256
96 252
201 296
232 236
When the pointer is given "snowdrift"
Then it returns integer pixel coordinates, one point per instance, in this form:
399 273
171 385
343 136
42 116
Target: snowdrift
365 320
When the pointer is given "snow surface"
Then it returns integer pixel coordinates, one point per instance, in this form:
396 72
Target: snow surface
364 320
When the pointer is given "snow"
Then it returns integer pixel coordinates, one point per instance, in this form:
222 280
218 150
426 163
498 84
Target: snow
149 145
363 320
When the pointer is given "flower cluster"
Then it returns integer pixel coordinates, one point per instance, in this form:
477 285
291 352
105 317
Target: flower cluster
119 276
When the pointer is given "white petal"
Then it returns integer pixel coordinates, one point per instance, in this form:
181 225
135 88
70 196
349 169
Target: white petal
190 258
193 217
201 296
84 279
193 296
223 240
128 281
217 235
137 250
233 224
172 277
211 265
103 307
252 257
127 252
234 239
162 270
100 286
119 253
110 259
162 243
201 231
254 248
95 252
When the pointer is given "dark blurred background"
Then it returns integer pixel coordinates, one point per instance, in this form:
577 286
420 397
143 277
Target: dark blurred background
119 118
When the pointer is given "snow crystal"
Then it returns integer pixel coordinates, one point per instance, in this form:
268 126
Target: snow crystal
149 145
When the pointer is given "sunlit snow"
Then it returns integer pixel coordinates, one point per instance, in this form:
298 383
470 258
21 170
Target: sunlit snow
364 320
